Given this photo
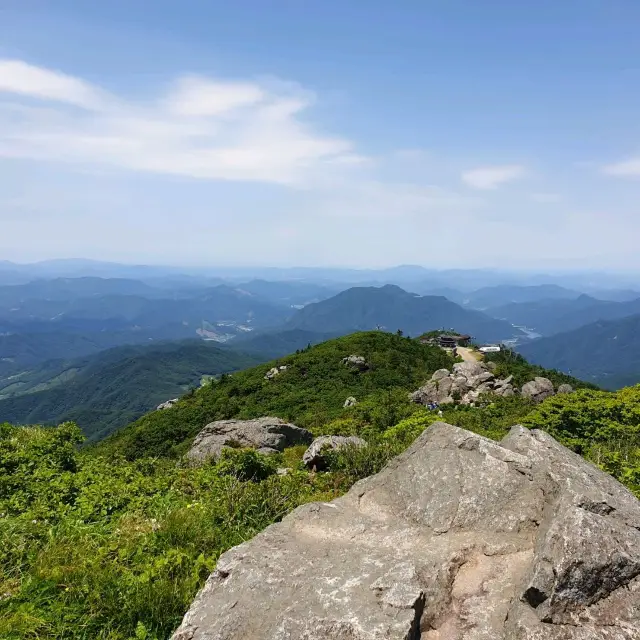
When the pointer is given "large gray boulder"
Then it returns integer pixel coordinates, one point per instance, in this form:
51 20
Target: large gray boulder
565 388
268 435
316 455
459 538
538 389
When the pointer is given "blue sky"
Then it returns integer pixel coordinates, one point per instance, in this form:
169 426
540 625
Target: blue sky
361 133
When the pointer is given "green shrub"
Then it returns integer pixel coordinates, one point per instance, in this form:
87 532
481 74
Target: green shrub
245 464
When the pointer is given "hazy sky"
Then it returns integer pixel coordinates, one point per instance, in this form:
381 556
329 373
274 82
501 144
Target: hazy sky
321 132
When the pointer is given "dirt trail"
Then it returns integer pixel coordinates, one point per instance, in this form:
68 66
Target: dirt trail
468 354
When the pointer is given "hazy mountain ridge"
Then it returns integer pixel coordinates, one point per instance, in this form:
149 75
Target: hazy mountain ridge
605 352
549 317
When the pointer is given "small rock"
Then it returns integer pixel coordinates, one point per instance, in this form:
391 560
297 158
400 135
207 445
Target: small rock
350 402
315 455
283 367
565 388
538 389
505 391
492 366
503 381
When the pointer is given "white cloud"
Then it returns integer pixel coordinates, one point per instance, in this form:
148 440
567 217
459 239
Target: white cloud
492 177
201 128
627 169
20 78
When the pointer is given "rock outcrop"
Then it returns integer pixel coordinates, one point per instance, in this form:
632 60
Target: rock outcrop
315 455
459 538
267 435
356 362
470 380
467 382
274 371
167 404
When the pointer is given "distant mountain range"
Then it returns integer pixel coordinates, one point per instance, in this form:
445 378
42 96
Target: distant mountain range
392 308
549 317
604 352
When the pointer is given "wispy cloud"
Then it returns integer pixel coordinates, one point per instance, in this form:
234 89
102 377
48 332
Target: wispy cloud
488 178
200 127
627 169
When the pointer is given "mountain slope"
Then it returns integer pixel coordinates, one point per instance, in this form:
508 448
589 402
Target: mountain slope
549 317
392 308
606 352
112 388
277 344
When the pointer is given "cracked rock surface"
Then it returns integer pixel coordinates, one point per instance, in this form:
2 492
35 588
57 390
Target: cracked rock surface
458 538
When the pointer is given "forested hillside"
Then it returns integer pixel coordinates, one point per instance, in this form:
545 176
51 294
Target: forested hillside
107 391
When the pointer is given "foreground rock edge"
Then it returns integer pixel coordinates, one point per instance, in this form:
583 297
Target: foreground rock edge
459 537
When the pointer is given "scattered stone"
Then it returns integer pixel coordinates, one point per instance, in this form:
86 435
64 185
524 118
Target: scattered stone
282 471
565 388
350 402
538 389
267 435
167 405
504 381
458 538
357 362
315 455
282 367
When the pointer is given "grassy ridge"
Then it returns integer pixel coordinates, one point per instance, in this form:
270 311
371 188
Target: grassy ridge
311 391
